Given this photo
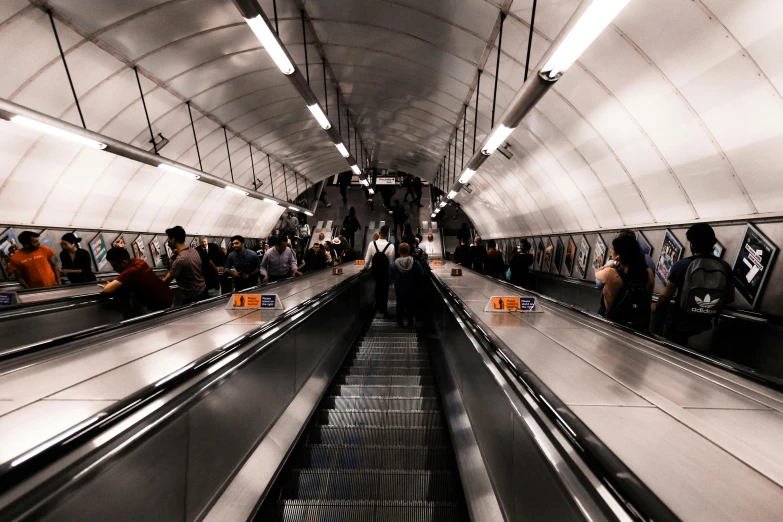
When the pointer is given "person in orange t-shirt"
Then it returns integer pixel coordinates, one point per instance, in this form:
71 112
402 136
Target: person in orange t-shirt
35 265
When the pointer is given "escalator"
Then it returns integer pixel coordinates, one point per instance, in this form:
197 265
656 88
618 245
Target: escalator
378 447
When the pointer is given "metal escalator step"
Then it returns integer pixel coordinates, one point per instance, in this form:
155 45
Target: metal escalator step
380 403
385 380
371 484
383 391
382 356
365 511
394 418
384 363
375 457
377 436
387 370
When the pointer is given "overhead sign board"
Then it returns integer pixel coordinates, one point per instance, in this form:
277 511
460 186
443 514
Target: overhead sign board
385 180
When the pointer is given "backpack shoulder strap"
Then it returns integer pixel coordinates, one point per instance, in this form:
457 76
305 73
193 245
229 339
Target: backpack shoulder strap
376 246
384 248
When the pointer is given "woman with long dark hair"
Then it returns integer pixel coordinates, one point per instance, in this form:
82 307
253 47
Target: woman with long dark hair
520 264
76 263
628 284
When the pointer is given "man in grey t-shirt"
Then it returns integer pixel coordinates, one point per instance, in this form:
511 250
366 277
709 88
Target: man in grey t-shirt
186 268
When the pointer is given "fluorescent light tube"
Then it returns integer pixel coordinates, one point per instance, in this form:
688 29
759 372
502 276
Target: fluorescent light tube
342 149
443 204
433 215
466 176
175 170
364 182
55 131
323 121
267 38
371 191
234 189
357 170
294 208
267 200
594 20
308 213
497 137
452 194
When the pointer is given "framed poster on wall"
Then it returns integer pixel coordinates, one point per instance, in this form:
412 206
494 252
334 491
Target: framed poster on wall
583 257
98 250
644 244
47 241
119 242
155 253
539 254
194 242
570 255
753 264
559 251
671 252
8 245
718 250
550 249
139 251
599 253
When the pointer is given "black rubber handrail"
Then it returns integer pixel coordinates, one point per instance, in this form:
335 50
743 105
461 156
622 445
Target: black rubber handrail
38 458
48 344
741 371
638 500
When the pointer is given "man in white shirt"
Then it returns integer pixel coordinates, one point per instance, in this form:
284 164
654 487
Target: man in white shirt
381 273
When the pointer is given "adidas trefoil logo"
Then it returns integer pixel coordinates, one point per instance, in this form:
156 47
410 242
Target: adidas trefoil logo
706 302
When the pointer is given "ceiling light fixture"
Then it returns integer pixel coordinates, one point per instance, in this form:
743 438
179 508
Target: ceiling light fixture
323 121
497 137
268 39
356 170
371 191
443 204
175 170
267 200
466 176
452 194
342 150
236 190
295 209
592 22
308 213
54 131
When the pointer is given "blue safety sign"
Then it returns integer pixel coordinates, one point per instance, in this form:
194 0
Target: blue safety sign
268 301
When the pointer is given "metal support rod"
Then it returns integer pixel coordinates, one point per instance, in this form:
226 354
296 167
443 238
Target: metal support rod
146 114
356 141
195 139
230 168
348 127
296 181
530 38
274 6
252 167
454 170
497 67
326 97
464 128
271 181
475 115
304 37
448 162
285 181
339 118
67 71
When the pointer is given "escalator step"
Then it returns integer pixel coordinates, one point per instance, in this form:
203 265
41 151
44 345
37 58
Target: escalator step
380 403
383 391
377 436
384 356
386 380
355 511
381 363
322 456
400 419
385 370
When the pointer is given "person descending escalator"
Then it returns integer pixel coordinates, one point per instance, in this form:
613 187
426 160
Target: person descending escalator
407 235
628 285
380 254
351 225
462 254
520 263
407 276
494 264
478 255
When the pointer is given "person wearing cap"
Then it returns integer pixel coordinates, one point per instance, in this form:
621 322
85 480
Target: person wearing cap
34 265
75 261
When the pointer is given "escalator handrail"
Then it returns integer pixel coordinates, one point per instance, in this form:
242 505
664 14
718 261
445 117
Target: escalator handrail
46 454
638 500
47 344
736 369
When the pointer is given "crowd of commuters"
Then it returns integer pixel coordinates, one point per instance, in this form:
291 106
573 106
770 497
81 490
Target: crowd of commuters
627 281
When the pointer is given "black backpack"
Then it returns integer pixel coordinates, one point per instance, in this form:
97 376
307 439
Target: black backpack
704 291
380 263
632 304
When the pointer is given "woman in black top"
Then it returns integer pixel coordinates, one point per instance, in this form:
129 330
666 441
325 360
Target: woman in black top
407 235
520 264
76 263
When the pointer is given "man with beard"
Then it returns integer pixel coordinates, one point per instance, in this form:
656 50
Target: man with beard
243 264
35 265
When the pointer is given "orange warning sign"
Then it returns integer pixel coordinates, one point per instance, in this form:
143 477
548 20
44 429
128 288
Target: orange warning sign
437 262
247 301
508 304
359 262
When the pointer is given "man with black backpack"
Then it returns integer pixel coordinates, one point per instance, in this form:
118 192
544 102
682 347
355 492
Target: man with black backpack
703 284
380 254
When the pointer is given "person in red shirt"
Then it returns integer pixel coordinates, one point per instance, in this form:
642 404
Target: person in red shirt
137 277
35 265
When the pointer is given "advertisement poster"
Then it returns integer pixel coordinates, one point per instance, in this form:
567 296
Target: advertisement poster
46 240
138 249
570 255
8 246
155 253
718 250
599 253
548 254
222 245
644 244
671 251
539 254
583 258
753 264
98 249
194 242
559 255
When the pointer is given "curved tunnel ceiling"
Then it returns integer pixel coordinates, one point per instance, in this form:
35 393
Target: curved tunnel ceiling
672 115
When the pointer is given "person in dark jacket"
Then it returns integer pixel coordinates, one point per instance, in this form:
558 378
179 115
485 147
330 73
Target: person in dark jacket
76 262
212 251
520 264
478 255
400 218
407 235
344 181
407 275
462 254
417 191
350 226
493 265
464 233
314 259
